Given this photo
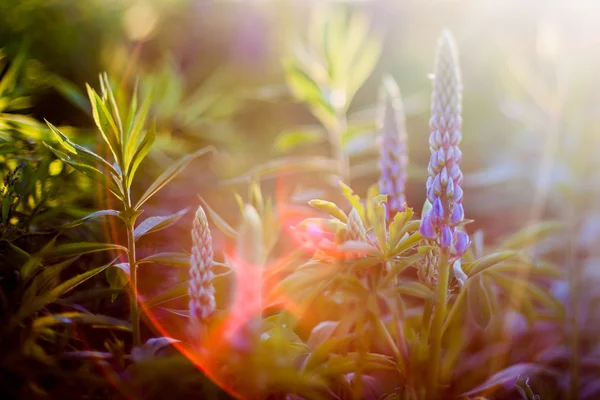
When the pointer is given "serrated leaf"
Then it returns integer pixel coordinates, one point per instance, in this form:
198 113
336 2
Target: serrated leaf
93 215
155 224
171 173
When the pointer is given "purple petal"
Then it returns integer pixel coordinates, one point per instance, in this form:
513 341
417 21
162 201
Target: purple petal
450 189
458 214
426 227
446 238
434 160
441 156
444 176
458 194
457 155
437 209
461 243
437 185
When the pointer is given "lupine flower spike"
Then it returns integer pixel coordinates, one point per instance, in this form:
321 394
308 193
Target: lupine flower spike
201 290
445 179
393 158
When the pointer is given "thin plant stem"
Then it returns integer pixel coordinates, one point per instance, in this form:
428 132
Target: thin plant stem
438 316
134 307
336 133
133 303
574 287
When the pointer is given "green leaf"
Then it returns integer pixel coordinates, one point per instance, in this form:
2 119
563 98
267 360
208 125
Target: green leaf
71 249
154 224
507 375
531 235
218 221
171 173
37 303
76 318
175 259
330 208
86 156
291 139
478 298
514 286
105 123
71 92
93 215
140 153
288 166
415 289
89 171
46 280
488 261
354 200
222 283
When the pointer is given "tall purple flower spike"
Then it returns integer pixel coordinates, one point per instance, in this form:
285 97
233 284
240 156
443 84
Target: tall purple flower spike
444 190
393 158
200 288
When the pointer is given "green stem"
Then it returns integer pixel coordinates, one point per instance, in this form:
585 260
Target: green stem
438 317
336 133
133 303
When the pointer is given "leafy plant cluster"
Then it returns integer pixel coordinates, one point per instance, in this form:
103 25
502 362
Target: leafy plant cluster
360 302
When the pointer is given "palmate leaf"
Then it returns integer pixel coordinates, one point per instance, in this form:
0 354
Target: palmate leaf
330 208
154 224
171 173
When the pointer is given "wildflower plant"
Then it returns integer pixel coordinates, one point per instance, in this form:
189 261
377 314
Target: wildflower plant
393 160
385 305
128 140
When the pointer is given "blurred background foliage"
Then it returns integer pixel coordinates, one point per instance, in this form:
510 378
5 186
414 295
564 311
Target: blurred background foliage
221 73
